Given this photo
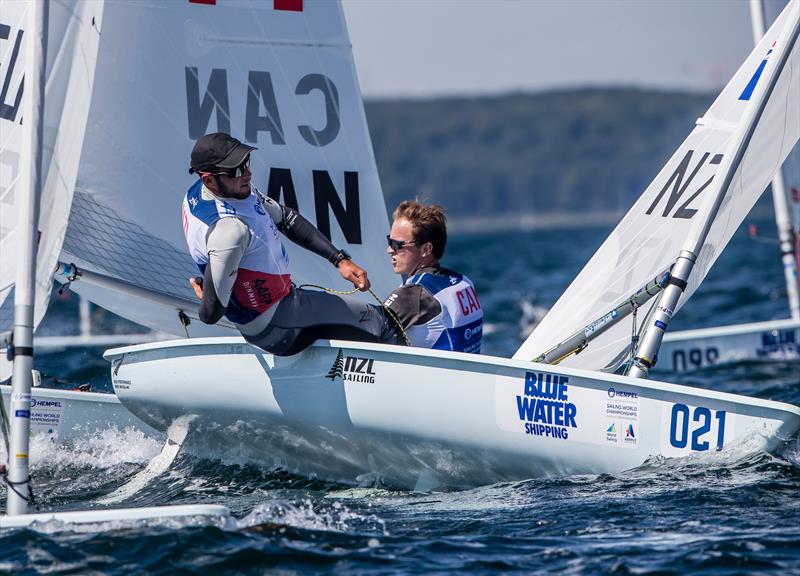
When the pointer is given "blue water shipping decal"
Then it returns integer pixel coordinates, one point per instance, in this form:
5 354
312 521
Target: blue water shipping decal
545 407
778 343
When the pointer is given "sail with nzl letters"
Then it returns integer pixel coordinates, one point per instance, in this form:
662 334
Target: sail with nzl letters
675 207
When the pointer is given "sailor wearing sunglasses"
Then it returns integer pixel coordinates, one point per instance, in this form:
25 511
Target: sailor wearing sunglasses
232 233
437 307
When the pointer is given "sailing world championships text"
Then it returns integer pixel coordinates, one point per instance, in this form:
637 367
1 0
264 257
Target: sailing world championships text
545 407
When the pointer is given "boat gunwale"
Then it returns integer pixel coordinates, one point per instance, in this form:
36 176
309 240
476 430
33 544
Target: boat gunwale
732 330
491 363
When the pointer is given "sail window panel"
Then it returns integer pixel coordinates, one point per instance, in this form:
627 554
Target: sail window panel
108 243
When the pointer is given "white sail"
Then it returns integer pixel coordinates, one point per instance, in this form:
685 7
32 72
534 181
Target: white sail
277 75
70 62
672 210
786 183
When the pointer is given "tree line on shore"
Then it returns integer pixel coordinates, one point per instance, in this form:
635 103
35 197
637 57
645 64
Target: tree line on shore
560 152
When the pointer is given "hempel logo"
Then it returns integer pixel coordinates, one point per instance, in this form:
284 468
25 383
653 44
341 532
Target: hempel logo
45 403
622 394
352 369
470 332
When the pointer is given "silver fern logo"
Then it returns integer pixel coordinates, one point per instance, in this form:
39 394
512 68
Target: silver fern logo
352 369
338 367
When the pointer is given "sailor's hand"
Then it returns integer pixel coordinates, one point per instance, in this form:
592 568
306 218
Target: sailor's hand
197 286
354 273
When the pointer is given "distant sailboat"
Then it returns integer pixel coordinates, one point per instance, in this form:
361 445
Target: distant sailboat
773 339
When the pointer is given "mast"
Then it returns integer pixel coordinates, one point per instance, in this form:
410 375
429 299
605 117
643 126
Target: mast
654 333
782 219
29 194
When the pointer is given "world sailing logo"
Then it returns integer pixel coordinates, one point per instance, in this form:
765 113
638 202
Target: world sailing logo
611 433
352 369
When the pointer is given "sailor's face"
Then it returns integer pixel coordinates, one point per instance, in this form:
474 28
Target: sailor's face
237 188
406 259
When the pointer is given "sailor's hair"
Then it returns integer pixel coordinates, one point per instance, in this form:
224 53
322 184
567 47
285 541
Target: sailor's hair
428 223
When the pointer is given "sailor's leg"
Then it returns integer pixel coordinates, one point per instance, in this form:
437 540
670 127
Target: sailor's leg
304 316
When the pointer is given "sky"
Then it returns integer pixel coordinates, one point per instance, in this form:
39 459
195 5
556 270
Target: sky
423 48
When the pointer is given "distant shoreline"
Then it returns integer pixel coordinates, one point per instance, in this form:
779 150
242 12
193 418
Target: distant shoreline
556 221
532 221
558 159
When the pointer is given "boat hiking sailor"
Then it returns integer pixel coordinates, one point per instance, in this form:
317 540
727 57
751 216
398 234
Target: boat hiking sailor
437 307
232 233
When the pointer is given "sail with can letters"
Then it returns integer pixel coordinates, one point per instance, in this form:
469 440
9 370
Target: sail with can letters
278 76
673 211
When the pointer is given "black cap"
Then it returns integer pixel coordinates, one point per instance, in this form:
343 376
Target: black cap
218 150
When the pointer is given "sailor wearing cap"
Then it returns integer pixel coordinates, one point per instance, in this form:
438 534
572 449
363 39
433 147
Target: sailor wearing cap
232 233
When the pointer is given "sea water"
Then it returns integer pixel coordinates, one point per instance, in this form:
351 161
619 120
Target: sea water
720 513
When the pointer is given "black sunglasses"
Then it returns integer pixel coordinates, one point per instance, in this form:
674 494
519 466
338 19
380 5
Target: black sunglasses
398 244
236 172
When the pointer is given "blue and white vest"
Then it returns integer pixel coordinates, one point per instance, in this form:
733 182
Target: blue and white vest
459 326
263 277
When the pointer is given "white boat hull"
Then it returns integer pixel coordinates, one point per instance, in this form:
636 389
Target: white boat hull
696 349
414 418
52 522
69 416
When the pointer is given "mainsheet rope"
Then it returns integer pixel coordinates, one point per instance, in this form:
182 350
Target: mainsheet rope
385 308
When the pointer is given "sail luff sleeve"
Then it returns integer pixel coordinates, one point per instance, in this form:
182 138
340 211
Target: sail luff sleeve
738 147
